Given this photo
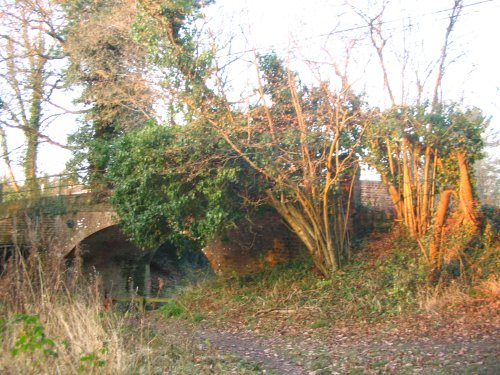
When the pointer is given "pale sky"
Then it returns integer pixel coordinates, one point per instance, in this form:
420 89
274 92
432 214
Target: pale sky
318 29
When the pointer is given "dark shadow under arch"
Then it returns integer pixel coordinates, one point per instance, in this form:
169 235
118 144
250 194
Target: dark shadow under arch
175 265
126 269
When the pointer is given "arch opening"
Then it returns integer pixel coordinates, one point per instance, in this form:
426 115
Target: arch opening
124 269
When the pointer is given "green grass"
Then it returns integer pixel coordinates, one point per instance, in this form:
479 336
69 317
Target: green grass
320 323
172 309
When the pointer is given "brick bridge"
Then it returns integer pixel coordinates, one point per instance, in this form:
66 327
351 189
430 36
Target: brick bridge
62 221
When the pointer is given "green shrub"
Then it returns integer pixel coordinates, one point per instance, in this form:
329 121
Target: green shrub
198 316
92 360
172 309
319 323
32 338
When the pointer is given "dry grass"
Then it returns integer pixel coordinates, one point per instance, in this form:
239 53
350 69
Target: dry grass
490 288
52 324
52 321
441 297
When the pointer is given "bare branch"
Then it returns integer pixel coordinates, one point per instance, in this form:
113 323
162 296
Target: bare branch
452 20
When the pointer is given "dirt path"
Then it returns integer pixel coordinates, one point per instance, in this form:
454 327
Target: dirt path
254 349
461 342
374 354
465 342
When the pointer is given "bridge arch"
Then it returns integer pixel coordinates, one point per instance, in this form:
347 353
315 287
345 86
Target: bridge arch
123 267
126 269
73 228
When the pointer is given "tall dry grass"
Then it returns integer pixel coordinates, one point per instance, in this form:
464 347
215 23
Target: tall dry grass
54 323
53 320
439 297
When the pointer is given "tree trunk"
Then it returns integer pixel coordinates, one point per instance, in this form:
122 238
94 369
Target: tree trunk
435 245
466 194
6 159
30 162
395 198
409 211
312 234
426 192
36 82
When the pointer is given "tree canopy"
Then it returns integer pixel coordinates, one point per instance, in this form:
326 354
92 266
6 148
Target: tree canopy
176 183
185 160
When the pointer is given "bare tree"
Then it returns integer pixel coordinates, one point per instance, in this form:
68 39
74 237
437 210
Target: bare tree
28 77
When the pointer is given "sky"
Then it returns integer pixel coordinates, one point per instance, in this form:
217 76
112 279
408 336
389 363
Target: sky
318 30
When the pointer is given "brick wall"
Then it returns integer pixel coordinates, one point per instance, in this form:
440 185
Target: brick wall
253 245
374 209
266 241
374 194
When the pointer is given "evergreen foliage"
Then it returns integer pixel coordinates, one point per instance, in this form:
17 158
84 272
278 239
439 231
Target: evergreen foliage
176 183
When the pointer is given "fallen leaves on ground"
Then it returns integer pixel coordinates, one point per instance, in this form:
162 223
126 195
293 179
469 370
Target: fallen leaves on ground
450 342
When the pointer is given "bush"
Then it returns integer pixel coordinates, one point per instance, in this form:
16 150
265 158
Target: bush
172 309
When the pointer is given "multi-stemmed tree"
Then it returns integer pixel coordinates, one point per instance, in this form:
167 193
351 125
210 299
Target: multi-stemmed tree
303 141
424 151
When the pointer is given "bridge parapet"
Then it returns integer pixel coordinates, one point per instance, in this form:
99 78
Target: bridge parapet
67 219
53 205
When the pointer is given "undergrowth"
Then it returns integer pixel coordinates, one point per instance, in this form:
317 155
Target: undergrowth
54 322
376 284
